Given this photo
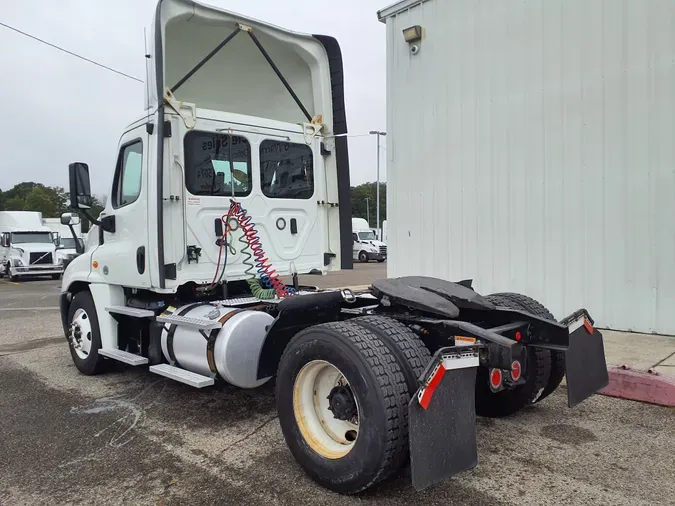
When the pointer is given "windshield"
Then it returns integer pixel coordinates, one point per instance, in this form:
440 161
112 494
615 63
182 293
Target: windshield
367 236
67 243
31 237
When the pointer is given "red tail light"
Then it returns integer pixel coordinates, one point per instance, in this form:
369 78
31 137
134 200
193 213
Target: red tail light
515 370
496 379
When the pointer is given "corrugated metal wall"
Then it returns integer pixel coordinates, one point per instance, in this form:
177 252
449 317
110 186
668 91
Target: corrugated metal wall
532 147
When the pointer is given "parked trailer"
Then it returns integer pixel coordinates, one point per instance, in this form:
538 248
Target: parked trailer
211 189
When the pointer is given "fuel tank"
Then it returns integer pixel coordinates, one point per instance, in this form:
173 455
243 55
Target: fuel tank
231 352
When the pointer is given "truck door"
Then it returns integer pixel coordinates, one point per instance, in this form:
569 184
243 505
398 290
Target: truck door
123 256
291 187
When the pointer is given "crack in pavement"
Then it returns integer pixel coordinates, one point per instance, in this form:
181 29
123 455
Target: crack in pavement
250 434
13 349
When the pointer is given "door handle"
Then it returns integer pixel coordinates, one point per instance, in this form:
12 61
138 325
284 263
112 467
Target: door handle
140 259
294 226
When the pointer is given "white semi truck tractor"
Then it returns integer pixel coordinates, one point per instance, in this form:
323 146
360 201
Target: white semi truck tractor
235 175
26 246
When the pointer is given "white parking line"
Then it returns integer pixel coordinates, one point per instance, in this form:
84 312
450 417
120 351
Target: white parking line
44 308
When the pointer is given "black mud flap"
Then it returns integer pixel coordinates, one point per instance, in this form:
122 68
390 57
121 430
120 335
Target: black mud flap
586 368
443 436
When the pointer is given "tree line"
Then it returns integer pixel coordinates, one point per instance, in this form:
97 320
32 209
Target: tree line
51 201
364 202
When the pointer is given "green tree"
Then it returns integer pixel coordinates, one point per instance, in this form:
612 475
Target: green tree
30 196
362 208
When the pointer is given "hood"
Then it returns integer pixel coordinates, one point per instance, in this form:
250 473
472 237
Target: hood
31 247
185 31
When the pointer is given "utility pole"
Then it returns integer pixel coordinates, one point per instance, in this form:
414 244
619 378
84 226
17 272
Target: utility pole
378 133
368 211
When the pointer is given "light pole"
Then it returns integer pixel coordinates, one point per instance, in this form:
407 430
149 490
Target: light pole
368 211
377 133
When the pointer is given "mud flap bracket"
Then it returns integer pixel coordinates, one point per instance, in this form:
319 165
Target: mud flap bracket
442 417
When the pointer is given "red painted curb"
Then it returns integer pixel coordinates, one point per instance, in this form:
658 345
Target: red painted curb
645 386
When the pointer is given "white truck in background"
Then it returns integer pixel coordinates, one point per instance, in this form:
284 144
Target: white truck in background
26 246
366 245
66 247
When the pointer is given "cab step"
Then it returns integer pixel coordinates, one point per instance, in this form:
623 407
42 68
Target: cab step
186 321
178 374
131 311
123 356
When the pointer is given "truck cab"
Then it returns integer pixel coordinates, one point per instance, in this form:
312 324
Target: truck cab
366 245
26 246
268 144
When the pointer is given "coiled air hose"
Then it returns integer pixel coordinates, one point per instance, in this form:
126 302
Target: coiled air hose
268 285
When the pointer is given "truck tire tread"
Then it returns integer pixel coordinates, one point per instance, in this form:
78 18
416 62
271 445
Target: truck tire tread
557 356
411 352
507 402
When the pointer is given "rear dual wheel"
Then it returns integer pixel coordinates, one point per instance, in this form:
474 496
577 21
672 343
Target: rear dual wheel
544 369
342 396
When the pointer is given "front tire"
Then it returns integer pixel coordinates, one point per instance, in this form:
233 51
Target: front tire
84 336
12 277
363 257
371 401
380 260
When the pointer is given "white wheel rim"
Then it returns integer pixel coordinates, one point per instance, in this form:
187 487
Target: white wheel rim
80 333
326 435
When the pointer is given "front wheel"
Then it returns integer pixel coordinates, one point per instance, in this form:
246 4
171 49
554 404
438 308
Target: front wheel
380 260
84 335
363 257
342 401
12 277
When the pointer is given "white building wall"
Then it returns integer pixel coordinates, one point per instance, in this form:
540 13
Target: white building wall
532 148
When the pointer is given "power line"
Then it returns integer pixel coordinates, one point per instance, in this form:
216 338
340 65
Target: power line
71 53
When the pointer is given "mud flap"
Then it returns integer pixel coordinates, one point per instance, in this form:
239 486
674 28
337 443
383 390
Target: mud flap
585 365
442 419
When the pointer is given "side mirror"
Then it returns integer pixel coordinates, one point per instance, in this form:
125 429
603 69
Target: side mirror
3 240
80 189
70 219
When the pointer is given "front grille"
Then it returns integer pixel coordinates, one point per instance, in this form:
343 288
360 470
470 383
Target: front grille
383 250
46 259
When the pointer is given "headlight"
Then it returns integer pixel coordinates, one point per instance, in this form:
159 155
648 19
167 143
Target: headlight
17 262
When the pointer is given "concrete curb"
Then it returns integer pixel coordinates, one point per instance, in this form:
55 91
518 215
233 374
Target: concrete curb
644 386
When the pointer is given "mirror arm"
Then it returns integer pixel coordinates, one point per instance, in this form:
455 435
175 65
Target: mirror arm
107 223
78 247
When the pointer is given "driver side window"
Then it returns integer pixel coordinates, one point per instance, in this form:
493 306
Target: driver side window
128 175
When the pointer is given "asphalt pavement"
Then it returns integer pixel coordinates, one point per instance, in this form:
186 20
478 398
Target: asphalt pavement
131 437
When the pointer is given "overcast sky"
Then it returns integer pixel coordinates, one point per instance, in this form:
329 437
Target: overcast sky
58 109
